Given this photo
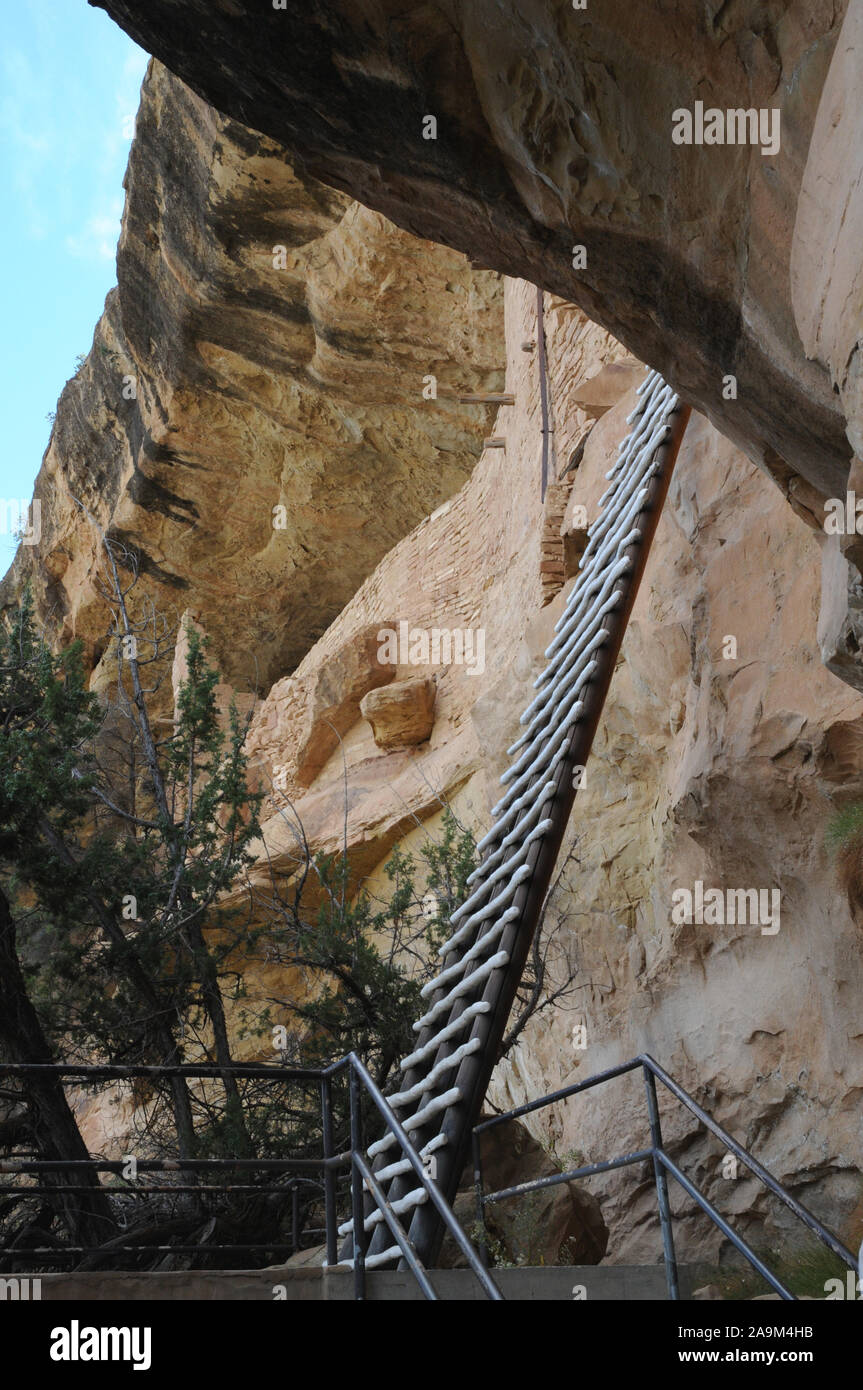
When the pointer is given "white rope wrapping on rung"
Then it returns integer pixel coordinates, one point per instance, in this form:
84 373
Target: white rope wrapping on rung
447 1064
489 911
395 1170
383 1257
518 805
479 947
536 712
515 834
456 1026
475 978
406 1203
413 1122
543 759
404 1165
569 697
501 872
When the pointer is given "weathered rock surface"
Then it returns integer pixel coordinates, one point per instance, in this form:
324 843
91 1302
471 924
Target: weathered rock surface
554 130
555 1225
726 744
402 714
472 567
250 417
599 393
826 266
712 763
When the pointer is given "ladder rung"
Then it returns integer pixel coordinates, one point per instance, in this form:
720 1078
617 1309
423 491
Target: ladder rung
393 1253
413 1199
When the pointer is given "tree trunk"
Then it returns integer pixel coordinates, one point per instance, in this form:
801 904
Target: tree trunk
214 1005
145 987
87 1214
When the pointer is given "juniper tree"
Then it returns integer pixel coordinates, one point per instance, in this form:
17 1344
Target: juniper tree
60 870
124 983
117 848
360 962
50 1130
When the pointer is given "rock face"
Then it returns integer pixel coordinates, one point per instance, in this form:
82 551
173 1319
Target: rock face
552 130
554 1226
254 389
826 272
471 570
724 750
289 391
402 714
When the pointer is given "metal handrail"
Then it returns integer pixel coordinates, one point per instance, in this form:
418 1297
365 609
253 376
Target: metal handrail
327 1166
663 1163
489 1287
408 1250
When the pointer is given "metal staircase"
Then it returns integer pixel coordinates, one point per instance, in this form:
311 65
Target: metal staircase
328 1171
446 1076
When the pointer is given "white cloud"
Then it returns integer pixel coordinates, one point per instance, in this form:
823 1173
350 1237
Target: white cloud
98 237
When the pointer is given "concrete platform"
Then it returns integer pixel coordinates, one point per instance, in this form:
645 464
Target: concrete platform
619 1283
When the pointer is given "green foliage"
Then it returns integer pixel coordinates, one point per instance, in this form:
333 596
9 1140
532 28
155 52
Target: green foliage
499 1255
47 721
804 1270
69 863
449 863
370 997
564 1160
164 828
845 827
363 962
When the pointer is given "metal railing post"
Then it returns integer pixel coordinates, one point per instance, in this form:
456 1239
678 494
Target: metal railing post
481 1241
661 1187
357 1203
295 1217
435 1197
329 1172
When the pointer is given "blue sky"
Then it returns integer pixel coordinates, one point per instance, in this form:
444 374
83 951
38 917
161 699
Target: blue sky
69 85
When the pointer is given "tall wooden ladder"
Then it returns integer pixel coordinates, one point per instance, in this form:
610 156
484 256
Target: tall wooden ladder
444 1080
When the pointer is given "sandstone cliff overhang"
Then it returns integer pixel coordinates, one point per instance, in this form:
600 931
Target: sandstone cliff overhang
554 130
251 417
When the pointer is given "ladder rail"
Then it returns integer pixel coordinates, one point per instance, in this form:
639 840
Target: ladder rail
625 528
384 1203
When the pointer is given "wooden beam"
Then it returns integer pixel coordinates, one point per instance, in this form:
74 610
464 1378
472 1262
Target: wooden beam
497 441
487 398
